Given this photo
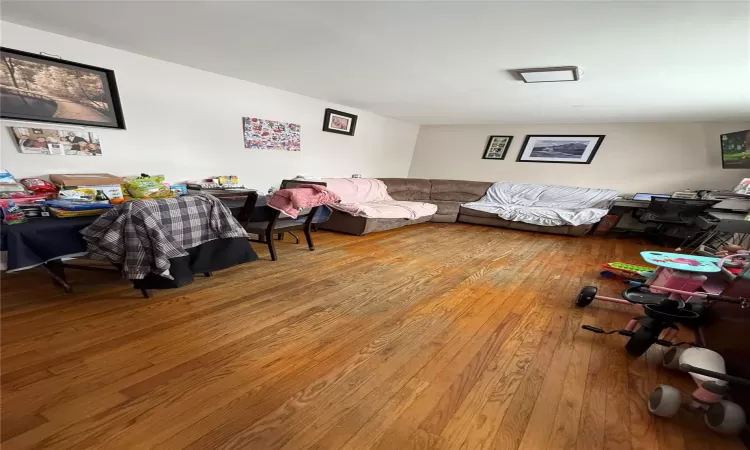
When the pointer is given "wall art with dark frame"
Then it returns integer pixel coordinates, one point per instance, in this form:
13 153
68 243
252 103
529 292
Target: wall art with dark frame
564 149
497 147
339 122
41 88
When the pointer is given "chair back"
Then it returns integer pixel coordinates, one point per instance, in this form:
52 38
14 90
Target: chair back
291 184
675 210
250 213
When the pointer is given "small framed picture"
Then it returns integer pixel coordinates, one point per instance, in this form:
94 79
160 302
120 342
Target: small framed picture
339 122
497 147
566 149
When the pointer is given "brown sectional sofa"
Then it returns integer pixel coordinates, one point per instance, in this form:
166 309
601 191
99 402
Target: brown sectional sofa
448 195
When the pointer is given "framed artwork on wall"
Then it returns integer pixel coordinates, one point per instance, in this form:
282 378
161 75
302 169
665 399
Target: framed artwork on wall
339 122
47 141
497 147
45 89
565 149
264 134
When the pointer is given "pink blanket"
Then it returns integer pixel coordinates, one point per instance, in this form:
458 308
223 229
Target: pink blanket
368 197
292 201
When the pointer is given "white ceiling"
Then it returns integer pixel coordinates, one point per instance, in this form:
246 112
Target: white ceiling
436 63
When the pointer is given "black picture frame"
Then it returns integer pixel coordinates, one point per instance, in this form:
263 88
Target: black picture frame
524 149
739 138
327 120
489 143
111 94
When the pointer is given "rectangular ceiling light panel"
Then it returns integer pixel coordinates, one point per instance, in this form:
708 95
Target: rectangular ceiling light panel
548 74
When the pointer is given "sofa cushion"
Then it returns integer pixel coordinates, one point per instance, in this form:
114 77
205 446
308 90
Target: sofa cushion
458 190
445 207
464 211
579 230
408 189
345 223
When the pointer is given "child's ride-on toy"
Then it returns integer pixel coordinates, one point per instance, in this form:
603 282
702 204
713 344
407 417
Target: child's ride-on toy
662 313
707 369
668 298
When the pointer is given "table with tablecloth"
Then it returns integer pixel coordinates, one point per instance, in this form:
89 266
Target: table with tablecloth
39 240
44 242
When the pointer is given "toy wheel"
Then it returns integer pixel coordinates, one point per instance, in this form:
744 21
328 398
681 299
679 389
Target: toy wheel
586 296
672 358
641 341
664 401
725 417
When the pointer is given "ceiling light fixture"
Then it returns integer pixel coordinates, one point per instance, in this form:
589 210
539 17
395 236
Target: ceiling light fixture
547 74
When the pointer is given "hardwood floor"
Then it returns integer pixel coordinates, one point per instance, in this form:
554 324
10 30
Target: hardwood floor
430 336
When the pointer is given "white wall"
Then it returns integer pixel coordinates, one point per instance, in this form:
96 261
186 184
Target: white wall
187 124
634 157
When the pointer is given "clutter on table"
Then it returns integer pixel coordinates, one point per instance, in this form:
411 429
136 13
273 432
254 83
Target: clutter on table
12 214
221 183
8 183
149 187
75 195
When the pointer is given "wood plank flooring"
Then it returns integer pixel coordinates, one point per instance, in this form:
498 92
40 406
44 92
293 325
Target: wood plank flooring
434 336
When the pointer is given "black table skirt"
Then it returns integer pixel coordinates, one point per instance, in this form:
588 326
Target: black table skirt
43 239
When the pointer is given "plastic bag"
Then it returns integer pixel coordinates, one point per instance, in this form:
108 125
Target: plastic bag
149 187
12 214
39 186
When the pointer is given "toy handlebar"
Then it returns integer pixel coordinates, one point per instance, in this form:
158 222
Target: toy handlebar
742 301
711 373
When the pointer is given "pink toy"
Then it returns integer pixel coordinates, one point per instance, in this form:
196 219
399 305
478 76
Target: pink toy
669 296
707 369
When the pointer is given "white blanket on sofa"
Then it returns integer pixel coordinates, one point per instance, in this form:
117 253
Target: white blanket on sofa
368 197
544 204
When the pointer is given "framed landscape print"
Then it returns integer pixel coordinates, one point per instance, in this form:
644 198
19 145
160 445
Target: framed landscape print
45 89
497 147
339 122
567 149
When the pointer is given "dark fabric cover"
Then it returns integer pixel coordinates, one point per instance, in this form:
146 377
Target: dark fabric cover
345 223
210 256
467 215
408 189
42 239
457 190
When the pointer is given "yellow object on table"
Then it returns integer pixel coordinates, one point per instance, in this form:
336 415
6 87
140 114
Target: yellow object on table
61 213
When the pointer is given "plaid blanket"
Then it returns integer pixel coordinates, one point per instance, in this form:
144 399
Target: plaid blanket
143 235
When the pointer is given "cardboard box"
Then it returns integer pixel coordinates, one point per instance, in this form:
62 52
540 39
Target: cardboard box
66 180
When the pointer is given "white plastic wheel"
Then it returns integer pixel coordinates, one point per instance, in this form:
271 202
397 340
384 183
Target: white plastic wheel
672 358
664 401
725 417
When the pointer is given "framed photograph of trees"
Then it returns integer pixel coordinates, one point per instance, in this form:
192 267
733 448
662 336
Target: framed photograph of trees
45 89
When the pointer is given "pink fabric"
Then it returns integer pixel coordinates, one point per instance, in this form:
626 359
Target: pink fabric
359 190
368 197
292 201
705 396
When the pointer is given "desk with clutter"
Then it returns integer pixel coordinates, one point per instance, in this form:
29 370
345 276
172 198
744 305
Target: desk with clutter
45 223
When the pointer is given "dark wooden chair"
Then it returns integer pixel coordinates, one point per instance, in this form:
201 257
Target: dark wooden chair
266 222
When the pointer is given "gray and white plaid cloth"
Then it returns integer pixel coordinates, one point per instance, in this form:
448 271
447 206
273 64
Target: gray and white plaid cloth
144 235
